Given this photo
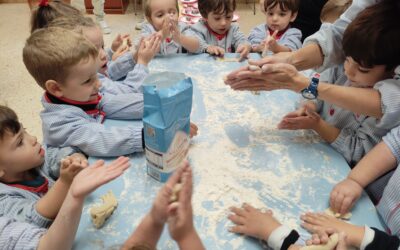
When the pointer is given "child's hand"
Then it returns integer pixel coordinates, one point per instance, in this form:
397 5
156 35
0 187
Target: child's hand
180 213
322 237
300 119
270 42
81 158
344 195
96 175
193 130
251 221
118 41
70 167
215 50
244 50
257 48
148 48
175 32
119 52
159 211
165 31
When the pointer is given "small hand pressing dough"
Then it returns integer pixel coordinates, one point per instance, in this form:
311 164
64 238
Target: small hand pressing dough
175 192
346 216
330 245
102 212
226 59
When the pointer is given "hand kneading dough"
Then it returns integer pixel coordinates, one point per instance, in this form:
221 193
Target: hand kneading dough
100 213
330 245
330 212
175 192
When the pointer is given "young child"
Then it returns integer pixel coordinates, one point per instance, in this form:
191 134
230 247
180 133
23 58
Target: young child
27 193
276 35
370 46
60 235
65 64
162 17
216 33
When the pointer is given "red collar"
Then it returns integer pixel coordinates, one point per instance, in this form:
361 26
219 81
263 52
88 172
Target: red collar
39 186
218 36
279 34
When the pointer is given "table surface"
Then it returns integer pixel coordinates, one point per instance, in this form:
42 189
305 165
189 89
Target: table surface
238 156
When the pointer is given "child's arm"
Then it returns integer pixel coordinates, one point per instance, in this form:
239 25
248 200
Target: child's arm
292 39
240 42
256 38
377 162
49 205
62 232
190 43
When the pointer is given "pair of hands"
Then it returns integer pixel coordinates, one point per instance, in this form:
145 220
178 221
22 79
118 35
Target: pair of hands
170 29
303 118
243 49
179 214
268 44
256 223
119 47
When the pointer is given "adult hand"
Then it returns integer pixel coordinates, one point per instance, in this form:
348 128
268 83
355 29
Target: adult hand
271 77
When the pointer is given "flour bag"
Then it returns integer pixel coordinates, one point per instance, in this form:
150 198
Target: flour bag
166 121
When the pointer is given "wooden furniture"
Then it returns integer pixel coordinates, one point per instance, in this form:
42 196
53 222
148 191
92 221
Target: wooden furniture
110 6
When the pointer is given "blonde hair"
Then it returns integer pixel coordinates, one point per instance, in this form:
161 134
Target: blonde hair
73 23
147 9
333 9
50 53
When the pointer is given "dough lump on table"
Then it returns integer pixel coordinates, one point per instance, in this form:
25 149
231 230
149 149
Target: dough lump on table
101 213
346 216
330 245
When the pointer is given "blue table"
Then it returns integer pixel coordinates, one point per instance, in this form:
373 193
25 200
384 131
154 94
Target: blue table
238 156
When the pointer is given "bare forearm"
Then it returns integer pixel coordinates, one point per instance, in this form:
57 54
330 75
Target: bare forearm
61 233
147 233
377 162
307 57
328 132
192 242
191 44
49 205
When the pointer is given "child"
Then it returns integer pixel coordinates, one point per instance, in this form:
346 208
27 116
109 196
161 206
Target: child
27 193
370 46
216 33
65 64
277 35
47 11
61 233
162 17
179 216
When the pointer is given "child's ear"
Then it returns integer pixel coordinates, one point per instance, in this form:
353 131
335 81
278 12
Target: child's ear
294 15
54 88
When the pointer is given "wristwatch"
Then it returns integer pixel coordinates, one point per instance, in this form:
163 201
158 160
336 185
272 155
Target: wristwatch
311 92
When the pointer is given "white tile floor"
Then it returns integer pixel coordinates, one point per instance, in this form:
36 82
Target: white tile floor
18 89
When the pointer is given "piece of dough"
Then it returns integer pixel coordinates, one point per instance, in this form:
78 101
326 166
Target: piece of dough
330 245
125 42
175 192
330 212
226 59
255 92
254 67
102 212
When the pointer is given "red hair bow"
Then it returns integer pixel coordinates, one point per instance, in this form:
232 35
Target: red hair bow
44 3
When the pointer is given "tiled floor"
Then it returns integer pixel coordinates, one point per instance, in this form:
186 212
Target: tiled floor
18 89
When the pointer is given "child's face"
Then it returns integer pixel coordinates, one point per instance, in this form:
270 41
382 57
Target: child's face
219 23
82 83
160 10
19 153
95 36
364 77
277 19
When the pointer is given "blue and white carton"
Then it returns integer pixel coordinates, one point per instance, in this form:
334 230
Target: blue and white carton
166 120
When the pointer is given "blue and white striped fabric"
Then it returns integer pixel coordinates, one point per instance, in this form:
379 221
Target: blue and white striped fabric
121 66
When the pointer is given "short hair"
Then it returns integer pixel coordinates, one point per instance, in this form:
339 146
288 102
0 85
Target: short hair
334 8
42 15
147 9
50 53
285 5
216 6
9 123
73 23
373 38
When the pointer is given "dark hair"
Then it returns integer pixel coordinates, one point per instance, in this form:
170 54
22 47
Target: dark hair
216 6
42 15
373 38
292 5
8 122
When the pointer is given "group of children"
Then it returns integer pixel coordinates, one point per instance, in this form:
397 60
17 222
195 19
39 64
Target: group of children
84 83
